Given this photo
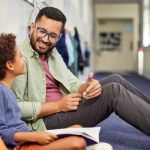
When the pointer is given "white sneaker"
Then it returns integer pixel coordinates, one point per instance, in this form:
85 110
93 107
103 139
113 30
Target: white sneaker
100 146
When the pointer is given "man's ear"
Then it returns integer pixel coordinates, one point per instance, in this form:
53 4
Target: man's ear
32 27
9 66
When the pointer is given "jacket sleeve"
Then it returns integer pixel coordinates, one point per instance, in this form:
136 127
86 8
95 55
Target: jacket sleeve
6 133
71 78
74 82
30 108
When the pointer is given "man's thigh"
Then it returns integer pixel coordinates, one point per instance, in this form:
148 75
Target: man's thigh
89 113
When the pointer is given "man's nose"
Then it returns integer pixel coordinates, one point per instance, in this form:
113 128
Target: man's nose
45 39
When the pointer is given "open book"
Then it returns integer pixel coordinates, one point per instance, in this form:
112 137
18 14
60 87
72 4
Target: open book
91 135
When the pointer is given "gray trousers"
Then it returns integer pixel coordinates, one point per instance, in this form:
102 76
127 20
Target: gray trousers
117 96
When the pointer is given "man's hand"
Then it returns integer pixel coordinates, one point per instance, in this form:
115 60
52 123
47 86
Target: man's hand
44 138
93 87
69 102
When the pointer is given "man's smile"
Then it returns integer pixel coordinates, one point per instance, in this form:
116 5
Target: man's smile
43 45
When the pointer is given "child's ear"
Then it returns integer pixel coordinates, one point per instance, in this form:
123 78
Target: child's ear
9 66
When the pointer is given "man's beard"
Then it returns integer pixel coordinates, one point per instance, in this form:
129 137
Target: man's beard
33 45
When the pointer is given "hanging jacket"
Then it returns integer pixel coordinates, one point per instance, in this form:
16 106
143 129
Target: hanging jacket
62 48
80 58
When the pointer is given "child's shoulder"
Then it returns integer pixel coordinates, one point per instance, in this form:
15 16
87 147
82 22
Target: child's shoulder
3 89
3 95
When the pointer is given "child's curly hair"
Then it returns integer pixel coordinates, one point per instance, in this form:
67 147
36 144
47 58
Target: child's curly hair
7 52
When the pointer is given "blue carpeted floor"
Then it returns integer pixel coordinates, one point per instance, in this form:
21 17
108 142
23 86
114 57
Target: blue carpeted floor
117 132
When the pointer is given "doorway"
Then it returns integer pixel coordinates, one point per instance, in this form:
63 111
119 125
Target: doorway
115 44
116 37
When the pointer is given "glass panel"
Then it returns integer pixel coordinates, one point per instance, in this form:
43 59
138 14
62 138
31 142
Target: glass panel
110 41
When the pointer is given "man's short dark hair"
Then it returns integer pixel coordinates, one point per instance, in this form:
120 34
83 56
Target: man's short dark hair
52 13
7 52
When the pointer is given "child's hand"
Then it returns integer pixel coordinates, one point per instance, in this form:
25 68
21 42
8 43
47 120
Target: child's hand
44 138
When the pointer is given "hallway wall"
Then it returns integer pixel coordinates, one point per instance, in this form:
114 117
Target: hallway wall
14 16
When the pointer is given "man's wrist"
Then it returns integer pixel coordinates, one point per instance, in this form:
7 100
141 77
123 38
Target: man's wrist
82 88
57 106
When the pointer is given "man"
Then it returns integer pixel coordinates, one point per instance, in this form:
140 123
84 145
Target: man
50 96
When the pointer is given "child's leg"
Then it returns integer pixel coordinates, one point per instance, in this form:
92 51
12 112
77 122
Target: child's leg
67 143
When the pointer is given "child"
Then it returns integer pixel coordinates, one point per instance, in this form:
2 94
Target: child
14 132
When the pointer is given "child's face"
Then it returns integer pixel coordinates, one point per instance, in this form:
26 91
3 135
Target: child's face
19 64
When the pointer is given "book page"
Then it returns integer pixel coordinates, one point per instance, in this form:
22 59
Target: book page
92 132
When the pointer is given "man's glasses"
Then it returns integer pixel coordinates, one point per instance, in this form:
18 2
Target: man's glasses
41 33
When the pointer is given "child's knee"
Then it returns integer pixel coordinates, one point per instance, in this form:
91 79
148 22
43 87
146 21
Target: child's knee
79 143
76 126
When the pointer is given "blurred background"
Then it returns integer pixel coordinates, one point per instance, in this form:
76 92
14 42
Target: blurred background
102 36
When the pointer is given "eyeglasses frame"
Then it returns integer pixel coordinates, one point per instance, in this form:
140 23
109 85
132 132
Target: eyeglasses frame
47 34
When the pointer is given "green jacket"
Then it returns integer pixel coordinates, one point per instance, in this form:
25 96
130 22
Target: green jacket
30 89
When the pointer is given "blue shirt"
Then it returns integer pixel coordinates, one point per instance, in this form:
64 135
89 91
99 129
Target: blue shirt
10 115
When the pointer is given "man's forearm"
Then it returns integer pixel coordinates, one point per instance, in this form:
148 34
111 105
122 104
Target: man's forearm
82 88
48 108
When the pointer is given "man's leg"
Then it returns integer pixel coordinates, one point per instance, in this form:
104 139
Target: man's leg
119 79
114 97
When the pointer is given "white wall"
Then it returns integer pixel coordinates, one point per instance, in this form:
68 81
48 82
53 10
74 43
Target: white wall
14 16
79 14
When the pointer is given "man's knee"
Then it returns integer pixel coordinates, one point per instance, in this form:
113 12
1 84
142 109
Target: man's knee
79 143
116 77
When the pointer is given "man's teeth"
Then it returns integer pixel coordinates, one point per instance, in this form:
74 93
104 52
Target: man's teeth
43 44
